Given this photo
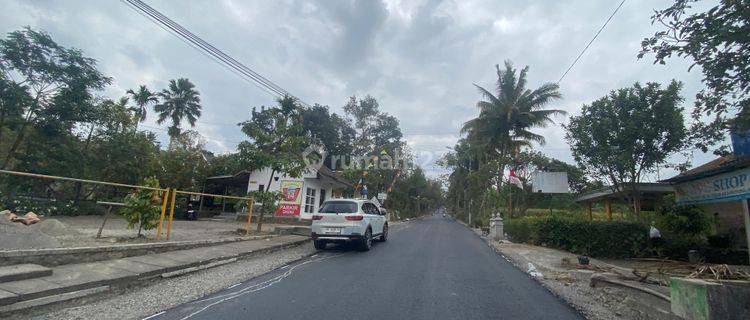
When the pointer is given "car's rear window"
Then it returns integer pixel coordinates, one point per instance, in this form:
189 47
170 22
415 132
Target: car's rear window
339 207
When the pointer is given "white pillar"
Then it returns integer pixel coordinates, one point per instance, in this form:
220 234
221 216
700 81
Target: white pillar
746 215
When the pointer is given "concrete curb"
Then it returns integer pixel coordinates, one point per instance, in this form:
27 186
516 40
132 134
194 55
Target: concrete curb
164 265
60 256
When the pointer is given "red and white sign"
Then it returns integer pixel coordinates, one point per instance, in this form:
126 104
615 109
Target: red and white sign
291 198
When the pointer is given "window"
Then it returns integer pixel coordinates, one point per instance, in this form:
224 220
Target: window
322 196
339 207
370 208
310 200
261 187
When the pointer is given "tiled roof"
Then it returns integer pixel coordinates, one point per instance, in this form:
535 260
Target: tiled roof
713 167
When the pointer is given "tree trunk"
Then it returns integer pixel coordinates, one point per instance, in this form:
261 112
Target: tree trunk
14 146
2 122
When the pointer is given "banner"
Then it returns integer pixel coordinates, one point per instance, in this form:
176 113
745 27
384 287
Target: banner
291 198
730 186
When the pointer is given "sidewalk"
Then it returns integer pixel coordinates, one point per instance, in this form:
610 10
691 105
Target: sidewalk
77 280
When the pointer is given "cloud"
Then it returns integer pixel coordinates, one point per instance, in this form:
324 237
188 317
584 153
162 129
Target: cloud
419 58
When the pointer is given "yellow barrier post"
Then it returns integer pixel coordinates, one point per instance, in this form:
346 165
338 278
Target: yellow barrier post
171 213
165 199
249 216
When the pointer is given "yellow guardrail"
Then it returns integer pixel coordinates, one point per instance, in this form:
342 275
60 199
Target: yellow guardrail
168 196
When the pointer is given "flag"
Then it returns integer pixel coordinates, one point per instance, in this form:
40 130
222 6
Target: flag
514 180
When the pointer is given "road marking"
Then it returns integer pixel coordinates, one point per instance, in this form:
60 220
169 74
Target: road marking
234 285
254 288
154 315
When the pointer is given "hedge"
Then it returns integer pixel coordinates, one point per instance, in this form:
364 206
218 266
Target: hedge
611 239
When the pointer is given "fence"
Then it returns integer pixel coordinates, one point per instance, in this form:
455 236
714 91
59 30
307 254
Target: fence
168 198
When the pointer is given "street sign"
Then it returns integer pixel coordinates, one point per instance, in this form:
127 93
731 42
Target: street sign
382 196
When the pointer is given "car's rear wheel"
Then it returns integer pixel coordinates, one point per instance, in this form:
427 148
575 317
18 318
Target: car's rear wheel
366 242
319 244
384 235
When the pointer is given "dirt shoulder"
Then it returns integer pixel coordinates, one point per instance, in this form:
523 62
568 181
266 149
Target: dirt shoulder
560 273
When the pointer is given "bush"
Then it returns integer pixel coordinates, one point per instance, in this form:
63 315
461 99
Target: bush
614 239
142 207
683 228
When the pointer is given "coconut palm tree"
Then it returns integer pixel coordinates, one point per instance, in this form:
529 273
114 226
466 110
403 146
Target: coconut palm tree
180 101
507 116
142 98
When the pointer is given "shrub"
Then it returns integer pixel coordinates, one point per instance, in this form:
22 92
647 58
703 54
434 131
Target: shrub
142 207
613 239
683 228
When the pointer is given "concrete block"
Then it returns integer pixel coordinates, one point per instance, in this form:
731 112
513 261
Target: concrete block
22 272
30 288
139 268
87 275
698 299
7 297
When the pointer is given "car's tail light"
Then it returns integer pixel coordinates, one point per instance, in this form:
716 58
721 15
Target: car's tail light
354 218
317 217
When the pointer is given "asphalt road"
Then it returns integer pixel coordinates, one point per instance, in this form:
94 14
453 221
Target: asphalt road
432 268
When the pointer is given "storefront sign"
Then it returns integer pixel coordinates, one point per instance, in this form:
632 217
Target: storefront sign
291 198
730 186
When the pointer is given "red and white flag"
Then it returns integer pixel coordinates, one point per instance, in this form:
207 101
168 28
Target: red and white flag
514 180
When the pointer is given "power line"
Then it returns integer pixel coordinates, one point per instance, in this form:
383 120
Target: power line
592 41
206 48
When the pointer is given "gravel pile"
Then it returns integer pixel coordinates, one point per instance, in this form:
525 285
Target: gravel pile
141 302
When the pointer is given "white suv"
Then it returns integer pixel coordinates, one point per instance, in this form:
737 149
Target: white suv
349 220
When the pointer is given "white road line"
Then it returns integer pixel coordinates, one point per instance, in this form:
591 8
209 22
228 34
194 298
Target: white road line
256 287
154 315
234 285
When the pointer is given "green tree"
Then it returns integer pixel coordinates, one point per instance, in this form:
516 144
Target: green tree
628 133
50 84
716 40
142 97
377 139
328 129
142 207
507 116
180 101
277 140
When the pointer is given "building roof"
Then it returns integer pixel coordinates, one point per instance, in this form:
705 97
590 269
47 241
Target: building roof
330 174
646 188
714 167
241 178
237 179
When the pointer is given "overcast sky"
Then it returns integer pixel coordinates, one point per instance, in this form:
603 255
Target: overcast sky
419 59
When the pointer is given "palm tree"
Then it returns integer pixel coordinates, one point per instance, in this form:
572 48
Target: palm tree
142 98
179 101
506 117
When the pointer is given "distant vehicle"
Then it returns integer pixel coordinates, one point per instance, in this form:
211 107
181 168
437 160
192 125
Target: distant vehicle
349 220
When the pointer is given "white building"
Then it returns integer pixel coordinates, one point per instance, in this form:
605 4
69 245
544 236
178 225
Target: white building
318 185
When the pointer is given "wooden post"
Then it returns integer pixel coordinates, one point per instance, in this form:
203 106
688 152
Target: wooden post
171 213
591 215
165 199
249 216
608 209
